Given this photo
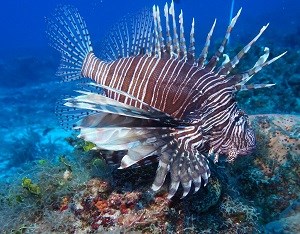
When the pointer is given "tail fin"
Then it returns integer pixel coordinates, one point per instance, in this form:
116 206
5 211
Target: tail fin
69 35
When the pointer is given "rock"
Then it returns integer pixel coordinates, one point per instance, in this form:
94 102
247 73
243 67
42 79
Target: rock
206 198
289 221
293 209
281 133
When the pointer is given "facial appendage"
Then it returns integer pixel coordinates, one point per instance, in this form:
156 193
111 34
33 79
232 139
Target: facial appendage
241 140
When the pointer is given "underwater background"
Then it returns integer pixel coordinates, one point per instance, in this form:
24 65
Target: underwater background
47 172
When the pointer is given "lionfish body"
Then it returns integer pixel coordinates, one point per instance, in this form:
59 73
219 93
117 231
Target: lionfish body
161 102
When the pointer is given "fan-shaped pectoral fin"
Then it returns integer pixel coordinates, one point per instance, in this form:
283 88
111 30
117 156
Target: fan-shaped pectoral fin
185 168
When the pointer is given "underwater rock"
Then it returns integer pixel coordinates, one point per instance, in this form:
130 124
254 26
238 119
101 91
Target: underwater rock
281 134
206 198
293 209
238 212
270 178
289 221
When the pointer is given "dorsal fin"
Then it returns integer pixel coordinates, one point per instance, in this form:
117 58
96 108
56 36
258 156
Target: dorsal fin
191 53
214 60
157 32
169 45
183 51
242 79
203 55
175 35
137 35
227 67
131 36
143 33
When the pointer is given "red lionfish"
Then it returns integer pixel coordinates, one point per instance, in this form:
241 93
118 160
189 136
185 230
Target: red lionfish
161 102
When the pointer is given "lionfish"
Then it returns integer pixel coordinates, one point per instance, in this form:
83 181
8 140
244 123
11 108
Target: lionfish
160 103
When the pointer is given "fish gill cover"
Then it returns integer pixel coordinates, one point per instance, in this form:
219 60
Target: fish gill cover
158 103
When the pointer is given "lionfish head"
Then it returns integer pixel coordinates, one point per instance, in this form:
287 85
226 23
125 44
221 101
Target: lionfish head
241 140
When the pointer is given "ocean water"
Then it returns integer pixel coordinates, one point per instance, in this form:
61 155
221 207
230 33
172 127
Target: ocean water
35 146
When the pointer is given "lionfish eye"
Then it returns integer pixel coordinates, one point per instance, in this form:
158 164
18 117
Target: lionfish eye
237 118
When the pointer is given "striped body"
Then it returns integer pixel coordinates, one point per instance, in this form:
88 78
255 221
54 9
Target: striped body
169 85
172 86
160 100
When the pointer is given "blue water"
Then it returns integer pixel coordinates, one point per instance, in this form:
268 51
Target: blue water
29 89
23 27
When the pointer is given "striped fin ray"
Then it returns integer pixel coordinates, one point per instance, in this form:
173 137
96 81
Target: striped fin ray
202 59
143 34
69 35
125 138
228 66
187 167
213 61
252 86
130 37
183 51
145 109
144 151
261 62
157 31
68 116
220 51
169 45
175 35
163 167
143 26
194 169
191 54
176 46
139 137
97 102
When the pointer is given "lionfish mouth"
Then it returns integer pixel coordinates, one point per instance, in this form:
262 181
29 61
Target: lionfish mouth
246 151
240 152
